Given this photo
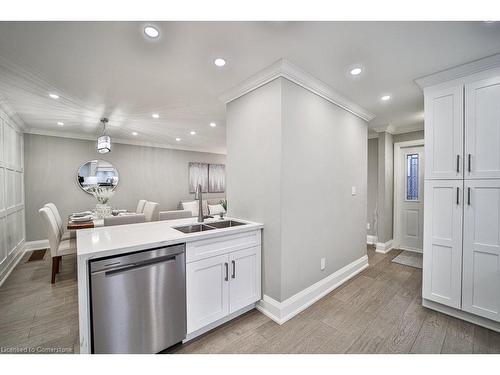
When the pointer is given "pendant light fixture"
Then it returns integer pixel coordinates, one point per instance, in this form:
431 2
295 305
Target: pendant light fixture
104 141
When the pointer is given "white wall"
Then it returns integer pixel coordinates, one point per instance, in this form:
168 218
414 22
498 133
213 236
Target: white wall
12 234
151 173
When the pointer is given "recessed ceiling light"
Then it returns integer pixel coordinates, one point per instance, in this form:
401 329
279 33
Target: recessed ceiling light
213 124
60 123
134 133
155 115
178 139
151 31
220 62
355 71
192 132
54 96
385 98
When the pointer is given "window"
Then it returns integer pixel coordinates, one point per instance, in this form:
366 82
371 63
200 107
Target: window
412 161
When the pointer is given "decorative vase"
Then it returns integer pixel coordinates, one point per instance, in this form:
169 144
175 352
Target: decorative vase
102 210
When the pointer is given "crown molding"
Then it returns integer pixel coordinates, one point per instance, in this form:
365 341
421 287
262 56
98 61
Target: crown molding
459 71
84 137
13 116
285 69
391 129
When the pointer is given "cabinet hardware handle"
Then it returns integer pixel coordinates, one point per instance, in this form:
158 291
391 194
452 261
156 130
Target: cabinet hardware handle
468 196
227 271
469 157
458 193
234 269
458 163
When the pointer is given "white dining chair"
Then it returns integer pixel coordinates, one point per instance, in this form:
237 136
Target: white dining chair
124 219
140 206
151 211
175 214
65 235
58 247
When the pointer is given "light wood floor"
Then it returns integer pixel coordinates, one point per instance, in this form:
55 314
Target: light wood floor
379 311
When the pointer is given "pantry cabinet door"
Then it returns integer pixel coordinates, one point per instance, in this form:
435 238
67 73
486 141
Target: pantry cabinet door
481 252
482 129
444 133
442 271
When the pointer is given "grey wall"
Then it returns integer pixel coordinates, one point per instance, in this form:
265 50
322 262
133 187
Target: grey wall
51 164
372 186
411 136
292 160
253 172
385 186
323 155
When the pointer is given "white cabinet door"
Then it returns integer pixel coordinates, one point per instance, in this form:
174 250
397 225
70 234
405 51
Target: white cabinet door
481 252
442 273
244 288
207 287
444 133
482 129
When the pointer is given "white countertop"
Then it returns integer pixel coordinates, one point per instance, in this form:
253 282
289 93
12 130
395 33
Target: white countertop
121 239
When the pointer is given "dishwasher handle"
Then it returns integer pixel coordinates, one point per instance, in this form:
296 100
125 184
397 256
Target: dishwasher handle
133 266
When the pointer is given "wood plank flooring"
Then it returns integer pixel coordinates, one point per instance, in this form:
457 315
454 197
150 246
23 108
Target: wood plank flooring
379 311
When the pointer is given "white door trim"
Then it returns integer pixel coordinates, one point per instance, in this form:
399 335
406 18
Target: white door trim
397 181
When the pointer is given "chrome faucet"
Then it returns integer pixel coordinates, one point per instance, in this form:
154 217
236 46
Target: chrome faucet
198 196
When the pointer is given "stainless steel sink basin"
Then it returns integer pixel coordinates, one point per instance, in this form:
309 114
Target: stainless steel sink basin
225 224
194 228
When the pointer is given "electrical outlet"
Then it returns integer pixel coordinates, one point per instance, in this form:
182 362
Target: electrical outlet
353 190
367 226
323 264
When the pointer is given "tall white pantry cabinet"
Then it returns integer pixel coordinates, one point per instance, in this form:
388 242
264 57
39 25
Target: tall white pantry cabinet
461 271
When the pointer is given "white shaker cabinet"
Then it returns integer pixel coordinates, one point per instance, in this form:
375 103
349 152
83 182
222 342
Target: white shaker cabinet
442 268
207 291
244 287
444 133
481 249
482 129
223 277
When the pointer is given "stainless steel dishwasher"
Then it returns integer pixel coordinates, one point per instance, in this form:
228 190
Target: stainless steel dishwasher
138 301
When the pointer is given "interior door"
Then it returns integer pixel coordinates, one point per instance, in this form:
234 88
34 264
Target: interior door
207 286
482 129
442 271
481 253
411 198
444 129
244 288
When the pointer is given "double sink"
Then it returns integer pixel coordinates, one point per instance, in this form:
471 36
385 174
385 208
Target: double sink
194 228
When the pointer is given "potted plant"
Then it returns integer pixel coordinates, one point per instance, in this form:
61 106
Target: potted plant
102 196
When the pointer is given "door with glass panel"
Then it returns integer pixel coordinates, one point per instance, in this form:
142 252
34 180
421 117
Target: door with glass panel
411 198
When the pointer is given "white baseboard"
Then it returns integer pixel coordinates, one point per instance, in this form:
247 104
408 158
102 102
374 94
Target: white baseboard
460 314
36 245
280 312
384 248
371 240
15 257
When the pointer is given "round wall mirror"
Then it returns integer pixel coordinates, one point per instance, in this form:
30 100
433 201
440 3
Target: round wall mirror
97 173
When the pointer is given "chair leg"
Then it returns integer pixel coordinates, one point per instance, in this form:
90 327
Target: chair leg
58 264
54 270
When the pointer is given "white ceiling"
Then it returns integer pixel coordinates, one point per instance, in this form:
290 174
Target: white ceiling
110 69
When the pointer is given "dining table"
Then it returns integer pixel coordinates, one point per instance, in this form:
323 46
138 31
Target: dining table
76 225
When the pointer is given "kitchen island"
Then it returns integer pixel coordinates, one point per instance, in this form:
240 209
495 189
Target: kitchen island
214 294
